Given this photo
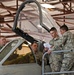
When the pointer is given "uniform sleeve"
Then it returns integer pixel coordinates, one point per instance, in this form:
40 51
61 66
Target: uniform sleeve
62 40
51 42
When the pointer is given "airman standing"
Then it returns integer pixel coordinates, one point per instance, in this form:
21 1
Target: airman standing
67 43
55 59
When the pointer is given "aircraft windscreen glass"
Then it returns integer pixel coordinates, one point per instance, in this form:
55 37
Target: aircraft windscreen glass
47 19
29 18
7 49
16 52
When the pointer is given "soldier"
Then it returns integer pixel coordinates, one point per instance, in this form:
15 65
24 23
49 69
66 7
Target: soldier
55 59
29 58
37 53
2 42
68 44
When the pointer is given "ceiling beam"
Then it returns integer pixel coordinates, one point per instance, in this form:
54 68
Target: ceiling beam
8 25
59 2
16 4
63 18
68 13
21 0
8 8
65 22
2 22
5 0
9 36
7 15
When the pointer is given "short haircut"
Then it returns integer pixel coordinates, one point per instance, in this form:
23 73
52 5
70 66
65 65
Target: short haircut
34 42
53 29
64 27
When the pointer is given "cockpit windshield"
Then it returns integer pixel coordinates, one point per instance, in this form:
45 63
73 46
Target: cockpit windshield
34 20
30 18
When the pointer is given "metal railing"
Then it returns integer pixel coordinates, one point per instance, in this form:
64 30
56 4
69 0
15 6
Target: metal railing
61 72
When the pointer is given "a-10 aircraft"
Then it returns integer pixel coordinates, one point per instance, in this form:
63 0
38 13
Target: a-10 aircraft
10 47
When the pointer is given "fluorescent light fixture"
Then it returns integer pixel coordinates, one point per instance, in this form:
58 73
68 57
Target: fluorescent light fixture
47 6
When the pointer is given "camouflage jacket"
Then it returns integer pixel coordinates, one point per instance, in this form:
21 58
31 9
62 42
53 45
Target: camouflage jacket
55 44
66 42
55 56
39 57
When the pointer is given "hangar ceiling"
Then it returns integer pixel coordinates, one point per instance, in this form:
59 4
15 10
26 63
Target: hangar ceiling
63 13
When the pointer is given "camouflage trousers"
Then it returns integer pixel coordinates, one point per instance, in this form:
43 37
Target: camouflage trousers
55 66
55 61
67 63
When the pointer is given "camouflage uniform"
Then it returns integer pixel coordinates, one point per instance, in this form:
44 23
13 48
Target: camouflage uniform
55 59
39 57
67 42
